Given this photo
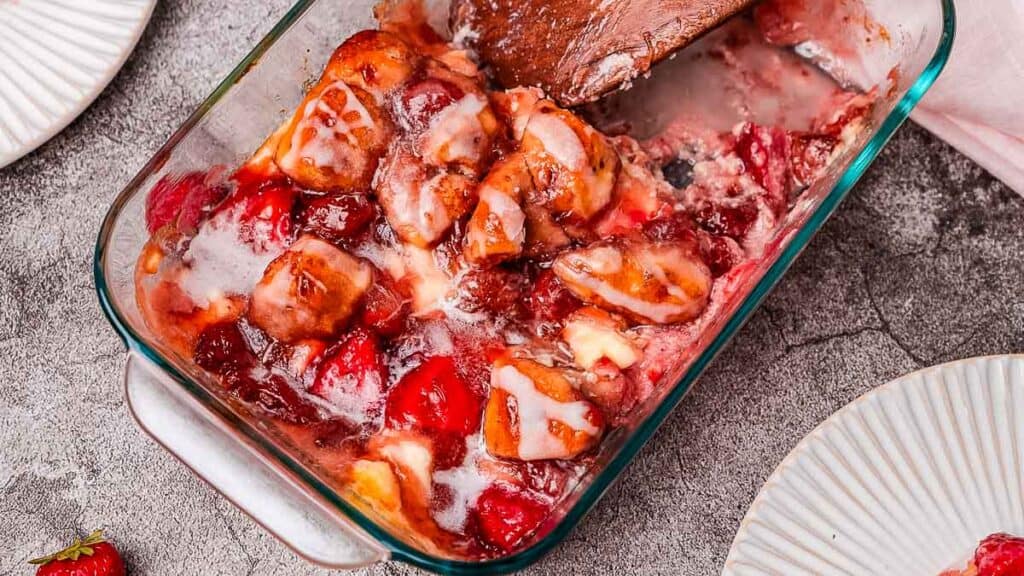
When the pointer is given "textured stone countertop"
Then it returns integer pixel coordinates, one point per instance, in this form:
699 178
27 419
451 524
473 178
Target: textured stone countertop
922 264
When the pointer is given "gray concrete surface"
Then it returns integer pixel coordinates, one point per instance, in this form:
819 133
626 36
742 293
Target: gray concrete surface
922 264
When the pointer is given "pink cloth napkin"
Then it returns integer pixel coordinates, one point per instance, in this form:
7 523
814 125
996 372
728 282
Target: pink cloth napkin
976 105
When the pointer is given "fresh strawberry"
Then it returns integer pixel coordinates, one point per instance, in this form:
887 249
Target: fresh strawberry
92 556
434 398
352 377
1000 555
550 299
505 517
765 154
181 200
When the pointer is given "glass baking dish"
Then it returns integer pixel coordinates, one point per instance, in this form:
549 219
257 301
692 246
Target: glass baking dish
180 406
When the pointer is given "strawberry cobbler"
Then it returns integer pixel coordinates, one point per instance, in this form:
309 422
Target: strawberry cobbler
447 294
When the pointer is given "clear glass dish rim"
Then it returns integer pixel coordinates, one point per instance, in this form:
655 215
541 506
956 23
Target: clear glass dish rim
603 480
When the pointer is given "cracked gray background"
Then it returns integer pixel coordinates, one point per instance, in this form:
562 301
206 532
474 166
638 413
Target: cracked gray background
922 264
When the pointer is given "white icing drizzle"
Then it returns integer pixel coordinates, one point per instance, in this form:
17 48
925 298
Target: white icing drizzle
560 141
654 264
420 207
221 263
354 398
660 312
590 341
321 149
466 483
604 260
536 410
458 129
510 214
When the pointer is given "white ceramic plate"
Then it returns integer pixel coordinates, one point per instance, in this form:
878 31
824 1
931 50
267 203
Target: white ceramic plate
56 56
904 481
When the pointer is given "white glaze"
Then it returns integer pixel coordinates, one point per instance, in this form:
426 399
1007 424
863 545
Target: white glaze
412 456
420 207
355 398
535 410
221 264
559 140
508 212
590 341
430 284
455 131
660 312
466 483
322 149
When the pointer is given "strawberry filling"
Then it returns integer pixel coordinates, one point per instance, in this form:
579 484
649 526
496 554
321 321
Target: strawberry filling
447 296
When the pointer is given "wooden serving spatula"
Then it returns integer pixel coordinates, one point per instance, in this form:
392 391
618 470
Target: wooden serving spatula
578 50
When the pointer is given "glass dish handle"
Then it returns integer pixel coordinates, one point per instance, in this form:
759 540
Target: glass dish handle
202 441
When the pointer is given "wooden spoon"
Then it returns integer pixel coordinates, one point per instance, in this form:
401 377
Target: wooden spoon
579 50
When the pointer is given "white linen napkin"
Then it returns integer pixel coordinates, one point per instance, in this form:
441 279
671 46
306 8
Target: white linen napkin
977 105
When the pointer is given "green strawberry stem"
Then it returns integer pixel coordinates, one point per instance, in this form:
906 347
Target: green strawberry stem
78 548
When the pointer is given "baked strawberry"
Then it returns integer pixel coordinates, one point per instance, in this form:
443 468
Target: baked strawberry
352 377
274 395
505 517
182 201
164 201
495 290
265 219
1000 555
811 155
385 307
765 153
434 398
676 227
732 221
337 217
422 101
92 556
222 347
550 299
721 253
